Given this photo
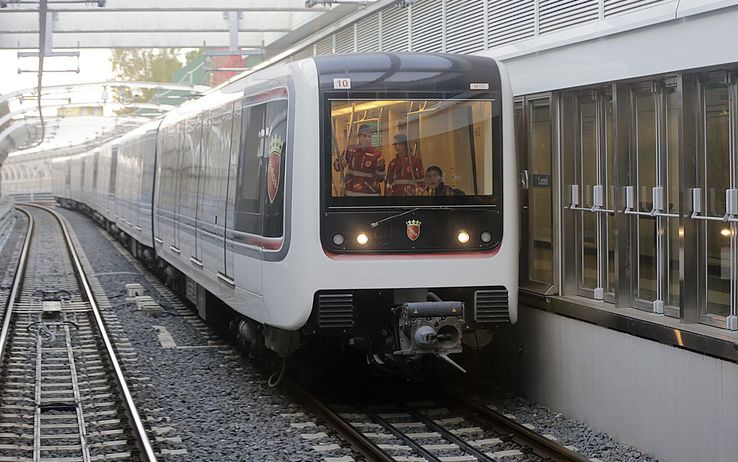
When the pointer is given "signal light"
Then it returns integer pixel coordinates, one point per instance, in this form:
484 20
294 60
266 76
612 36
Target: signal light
362 239
463 237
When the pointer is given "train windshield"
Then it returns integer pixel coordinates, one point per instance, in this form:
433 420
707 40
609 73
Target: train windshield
412 152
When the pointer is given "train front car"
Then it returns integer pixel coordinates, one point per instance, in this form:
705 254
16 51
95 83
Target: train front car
418 205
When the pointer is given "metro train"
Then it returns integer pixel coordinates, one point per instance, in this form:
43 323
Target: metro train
364 202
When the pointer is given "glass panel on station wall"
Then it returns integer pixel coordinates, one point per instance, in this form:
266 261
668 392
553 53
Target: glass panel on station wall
588 179
718 235
671 201
610 202
540 193
645 124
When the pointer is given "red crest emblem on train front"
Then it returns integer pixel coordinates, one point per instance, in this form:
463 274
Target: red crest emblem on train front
413 229
274 167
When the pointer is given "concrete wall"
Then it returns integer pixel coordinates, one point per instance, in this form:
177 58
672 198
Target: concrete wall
703 39
678 405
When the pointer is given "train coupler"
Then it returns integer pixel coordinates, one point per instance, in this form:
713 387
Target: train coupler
433 327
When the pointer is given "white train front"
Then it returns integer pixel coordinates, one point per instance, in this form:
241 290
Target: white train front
363 200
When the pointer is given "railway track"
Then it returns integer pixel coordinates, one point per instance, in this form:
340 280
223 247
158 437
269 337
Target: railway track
63 396
448 427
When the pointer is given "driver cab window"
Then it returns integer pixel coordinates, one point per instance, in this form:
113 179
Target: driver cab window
411 148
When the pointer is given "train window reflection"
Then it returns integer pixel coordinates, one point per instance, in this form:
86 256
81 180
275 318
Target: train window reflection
411 147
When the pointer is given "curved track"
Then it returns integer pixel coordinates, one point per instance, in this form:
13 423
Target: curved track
63 396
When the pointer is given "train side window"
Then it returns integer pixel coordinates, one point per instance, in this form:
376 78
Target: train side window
248 186
95 162
113 169
275 131
82 176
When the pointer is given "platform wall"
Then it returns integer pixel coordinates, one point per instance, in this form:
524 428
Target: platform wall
677 405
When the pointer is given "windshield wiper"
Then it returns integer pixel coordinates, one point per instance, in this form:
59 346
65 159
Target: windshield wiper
391 217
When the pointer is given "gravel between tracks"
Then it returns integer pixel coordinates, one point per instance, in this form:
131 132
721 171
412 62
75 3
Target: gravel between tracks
219 404
216 402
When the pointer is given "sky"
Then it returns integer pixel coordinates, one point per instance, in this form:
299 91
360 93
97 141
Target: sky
94 66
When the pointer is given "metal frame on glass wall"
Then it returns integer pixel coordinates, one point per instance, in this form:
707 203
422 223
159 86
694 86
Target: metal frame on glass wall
588 148
538 162
651 200
713 198
663 150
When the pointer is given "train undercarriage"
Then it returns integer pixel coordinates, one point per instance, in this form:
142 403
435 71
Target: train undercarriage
397 329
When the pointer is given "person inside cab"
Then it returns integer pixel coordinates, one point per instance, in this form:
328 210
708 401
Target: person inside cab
363 166
436 185
405 174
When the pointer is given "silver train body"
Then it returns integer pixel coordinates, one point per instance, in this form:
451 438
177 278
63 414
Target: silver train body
237 192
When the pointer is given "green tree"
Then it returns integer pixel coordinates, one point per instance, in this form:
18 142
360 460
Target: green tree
193 55
143 65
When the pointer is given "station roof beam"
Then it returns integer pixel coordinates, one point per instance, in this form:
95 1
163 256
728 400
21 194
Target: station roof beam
168 23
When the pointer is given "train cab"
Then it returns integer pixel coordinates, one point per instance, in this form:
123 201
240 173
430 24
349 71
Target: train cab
418 203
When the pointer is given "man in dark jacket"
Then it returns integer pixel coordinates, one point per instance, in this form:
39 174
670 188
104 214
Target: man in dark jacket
436 186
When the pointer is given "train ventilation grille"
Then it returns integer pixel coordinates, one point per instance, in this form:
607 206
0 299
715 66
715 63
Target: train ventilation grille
336 310
491 305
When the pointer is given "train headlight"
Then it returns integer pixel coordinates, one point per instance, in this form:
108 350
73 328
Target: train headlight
338 239
463 237
362 239
486 237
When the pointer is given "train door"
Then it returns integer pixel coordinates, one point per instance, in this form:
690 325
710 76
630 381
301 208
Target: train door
177 176
198 183
214 169
589 194
95 199
248 217
226 274
81 187
193 188
68 178
160 182
138 193
187 220
534 131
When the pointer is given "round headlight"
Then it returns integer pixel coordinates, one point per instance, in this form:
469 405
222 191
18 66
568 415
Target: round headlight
486 237
463 237
338 239
362 239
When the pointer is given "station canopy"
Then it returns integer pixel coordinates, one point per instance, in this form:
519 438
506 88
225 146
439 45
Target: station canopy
52 28
163 23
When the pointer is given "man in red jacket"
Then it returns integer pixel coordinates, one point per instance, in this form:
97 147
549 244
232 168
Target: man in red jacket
405 174
364 166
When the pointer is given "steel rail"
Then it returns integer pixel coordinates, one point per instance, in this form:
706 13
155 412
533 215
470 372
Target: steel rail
20 270
347 432
414 445
522 435
147 452
449 436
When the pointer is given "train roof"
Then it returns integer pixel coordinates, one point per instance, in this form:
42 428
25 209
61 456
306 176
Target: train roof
408 72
